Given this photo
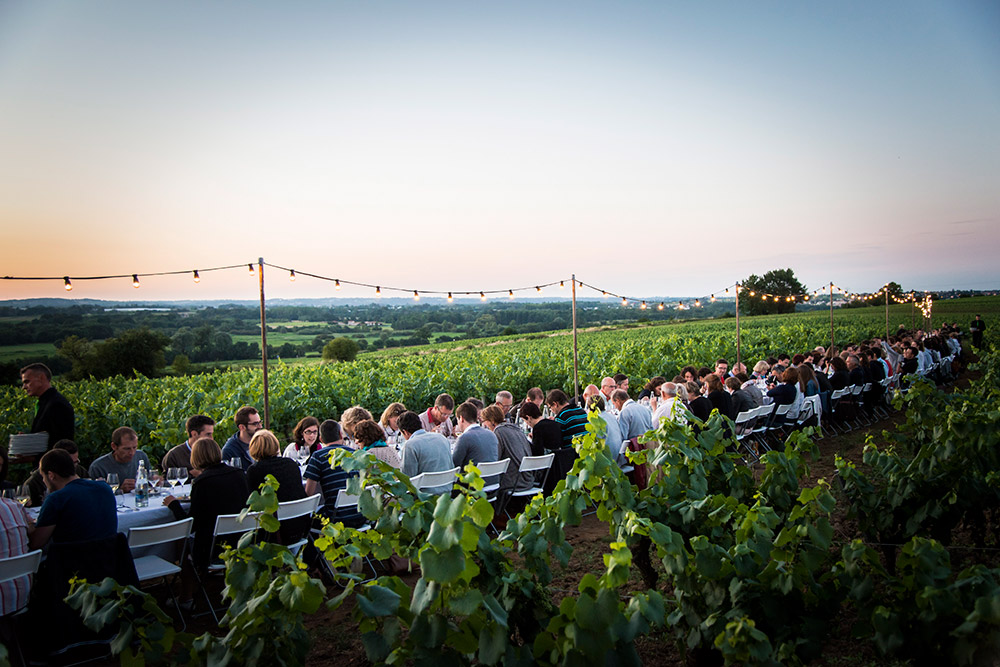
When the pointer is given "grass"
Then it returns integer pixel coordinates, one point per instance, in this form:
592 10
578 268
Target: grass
26 351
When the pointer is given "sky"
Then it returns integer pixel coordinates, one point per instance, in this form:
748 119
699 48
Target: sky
649 148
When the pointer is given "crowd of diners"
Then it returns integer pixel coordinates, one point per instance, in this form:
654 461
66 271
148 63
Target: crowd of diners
76 506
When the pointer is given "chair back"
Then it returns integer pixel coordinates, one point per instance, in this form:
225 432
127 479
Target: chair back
839 393
227 524
782 409
144 536
438 478
493 468
745 416
531 463
291 509
18 566
344 499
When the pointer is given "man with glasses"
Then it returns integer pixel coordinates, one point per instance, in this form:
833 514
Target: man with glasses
437 419
248 422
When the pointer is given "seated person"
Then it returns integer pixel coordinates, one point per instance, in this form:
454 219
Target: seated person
511 444
247 421
437 418
196 427
389 422
306 443
123 460
716 394
219 489
321 477
698 405
75 510
634 419
424 451
614 440
370 437
476 444
13 542
572 420
546 435
264 450
36 483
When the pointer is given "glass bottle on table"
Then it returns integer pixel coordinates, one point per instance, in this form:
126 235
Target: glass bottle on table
142 486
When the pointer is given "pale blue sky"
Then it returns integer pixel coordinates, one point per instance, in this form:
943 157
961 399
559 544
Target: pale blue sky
651 148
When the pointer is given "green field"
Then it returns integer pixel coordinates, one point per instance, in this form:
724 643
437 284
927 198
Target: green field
26 351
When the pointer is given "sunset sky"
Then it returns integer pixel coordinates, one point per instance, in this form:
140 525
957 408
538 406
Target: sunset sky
651 148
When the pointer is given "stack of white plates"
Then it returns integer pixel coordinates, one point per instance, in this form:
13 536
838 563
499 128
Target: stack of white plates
26 444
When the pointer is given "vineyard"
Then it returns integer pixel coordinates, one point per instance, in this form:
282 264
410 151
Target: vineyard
724 563
158 408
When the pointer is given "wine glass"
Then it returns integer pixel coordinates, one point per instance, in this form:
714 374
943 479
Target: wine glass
23 494
112 480
182 476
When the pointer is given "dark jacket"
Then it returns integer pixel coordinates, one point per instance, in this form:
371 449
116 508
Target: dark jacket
219 489
723 402
701 408
289 477
54 416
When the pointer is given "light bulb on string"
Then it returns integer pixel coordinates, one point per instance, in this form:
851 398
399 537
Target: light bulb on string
197 278
510 293
660 307
482 296
713 298
727 290
561 284
135 280
378 291
752 293
336 284
603 293
250 266
67 285
291 275
697 303
624 301
538 289
450 297
643 306
416 295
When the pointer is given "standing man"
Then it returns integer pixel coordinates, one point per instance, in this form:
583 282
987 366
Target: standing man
977 327
123 460
198 426
55 414
238 446
633 418
437 419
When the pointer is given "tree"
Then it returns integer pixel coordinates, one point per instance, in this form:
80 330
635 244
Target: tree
780 283
137 351
340 349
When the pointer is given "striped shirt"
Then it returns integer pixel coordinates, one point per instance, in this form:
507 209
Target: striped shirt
331 481
573 421
13 542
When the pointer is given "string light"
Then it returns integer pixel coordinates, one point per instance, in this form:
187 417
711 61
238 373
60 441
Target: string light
291 275
336 284
510 293
727 290
450 297
378 291
416 295
713 298
538 289
135 280
697 303
660 307
561 284
752 293
624 301
67 284
250 266
643 306
482 296
603 293
197 278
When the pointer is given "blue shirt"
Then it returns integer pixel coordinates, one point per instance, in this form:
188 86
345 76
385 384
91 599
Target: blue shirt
572 421
331 481
236 448
83 510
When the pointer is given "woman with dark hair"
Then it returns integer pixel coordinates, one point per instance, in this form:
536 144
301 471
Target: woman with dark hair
219 489
264 451
306 441
370 437
546 435
699 406
717 395
652 388
787 393
840 378
689 373
808 384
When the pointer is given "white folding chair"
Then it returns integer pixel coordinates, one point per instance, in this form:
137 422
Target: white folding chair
225 524
293 509
489 469
14 567
429 480
534 464
152 567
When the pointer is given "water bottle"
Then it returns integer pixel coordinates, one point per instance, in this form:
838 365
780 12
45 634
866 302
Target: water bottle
142 486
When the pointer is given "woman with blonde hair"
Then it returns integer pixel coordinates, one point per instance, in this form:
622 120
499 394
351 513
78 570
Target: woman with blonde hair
350 419
390 422
264 451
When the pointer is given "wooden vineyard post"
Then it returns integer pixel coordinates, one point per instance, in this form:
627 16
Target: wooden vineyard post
576 371
887 313
831 314
738 323
263 341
